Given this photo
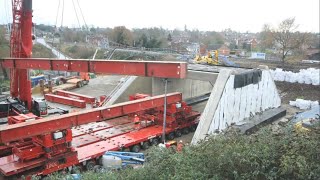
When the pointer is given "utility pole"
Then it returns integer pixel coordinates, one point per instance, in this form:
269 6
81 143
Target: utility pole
164 111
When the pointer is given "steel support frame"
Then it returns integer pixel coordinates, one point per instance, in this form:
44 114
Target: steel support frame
162 69
44 126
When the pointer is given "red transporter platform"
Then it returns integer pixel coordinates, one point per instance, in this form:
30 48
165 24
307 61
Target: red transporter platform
79 139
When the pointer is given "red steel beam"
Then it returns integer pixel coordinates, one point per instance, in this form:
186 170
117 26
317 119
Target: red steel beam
23 130
65 100
87 99
163 69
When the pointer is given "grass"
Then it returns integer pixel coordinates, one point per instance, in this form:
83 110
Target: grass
40 51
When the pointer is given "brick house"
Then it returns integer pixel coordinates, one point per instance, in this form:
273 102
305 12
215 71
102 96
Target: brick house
224 50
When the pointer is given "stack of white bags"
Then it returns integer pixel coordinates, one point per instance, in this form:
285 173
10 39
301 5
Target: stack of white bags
304 104
304 76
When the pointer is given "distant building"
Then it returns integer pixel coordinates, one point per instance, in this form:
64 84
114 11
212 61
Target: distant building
258 55
313 53
224 50
193 48
253 43
203 49
98 41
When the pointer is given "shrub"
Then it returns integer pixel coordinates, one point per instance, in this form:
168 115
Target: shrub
232 156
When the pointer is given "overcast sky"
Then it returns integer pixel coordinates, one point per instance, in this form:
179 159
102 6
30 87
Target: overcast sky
239 15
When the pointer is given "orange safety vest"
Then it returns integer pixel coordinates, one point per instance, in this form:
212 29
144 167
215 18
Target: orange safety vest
136 120
179 147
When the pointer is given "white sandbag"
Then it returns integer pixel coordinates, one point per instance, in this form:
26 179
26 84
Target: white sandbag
304 76
304 104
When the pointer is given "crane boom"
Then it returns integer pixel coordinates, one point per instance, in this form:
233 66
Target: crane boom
21 47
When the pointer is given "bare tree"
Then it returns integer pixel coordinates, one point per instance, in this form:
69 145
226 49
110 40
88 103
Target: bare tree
4 50
266 37
287 38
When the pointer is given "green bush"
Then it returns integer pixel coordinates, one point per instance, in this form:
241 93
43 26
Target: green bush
40 51
232 156
80 52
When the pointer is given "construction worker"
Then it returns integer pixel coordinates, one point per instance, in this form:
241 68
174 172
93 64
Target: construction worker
136 121
152 119
180 146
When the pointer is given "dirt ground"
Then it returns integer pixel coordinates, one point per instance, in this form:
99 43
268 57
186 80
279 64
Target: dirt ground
294 66
101 85
292 91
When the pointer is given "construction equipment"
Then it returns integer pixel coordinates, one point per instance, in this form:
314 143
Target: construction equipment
39 146
83 79
212 58
11 107
308 124
118 160
44 145
39 107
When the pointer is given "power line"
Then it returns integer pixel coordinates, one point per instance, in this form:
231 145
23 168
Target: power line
62 13
82 15
7 15
57 14
74 7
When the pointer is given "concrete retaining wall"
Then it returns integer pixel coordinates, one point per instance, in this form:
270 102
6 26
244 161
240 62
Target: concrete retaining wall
229 105
135 85
188 87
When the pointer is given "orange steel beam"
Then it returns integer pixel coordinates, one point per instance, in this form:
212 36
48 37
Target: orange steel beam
65 100
87 99
28 129
163 69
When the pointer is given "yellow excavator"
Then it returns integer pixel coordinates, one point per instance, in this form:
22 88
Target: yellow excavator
212 58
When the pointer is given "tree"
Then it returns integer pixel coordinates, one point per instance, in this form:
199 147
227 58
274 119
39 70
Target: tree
287 38
212 38
4 49
266 37
169 38
70 35
143 40
122 35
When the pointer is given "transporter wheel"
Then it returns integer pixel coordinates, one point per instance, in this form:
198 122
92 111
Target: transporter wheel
178 133
76 170
97 168
90 165
45 178
185 131
155 141
170 136
145 145
135 148
193 128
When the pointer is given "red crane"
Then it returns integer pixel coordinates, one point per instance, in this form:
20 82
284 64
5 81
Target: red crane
21 60
21 47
